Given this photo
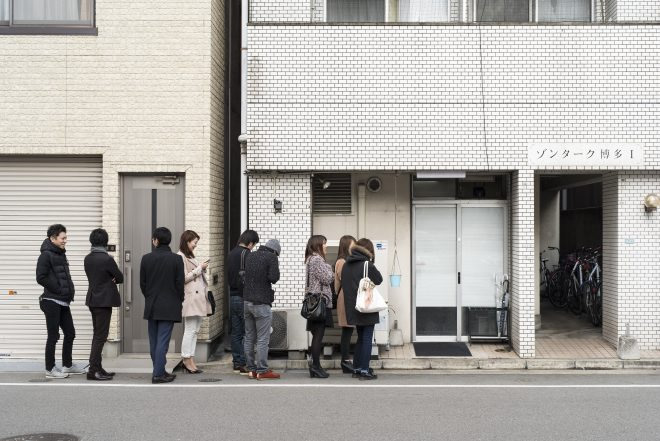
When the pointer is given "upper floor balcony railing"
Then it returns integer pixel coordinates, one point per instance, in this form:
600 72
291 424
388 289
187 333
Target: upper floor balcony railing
429 11
46 14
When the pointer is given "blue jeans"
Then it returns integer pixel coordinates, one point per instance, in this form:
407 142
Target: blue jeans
160 332
237 330
363 345
258 319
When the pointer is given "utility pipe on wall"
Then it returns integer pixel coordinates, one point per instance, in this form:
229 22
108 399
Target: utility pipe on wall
243 137
362 210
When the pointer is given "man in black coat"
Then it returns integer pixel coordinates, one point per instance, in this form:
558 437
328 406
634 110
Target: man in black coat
161 281
103 276
54 275
235 279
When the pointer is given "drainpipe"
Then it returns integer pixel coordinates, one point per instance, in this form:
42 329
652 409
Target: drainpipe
362 210
242 139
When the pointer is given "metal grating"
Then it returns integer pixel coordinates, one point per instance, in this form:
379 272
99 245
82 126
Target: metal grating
337 198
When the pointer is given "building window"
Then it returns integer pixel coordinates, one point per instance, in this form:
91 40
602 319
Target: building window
423 10
511 11
564 10
47 13
355 11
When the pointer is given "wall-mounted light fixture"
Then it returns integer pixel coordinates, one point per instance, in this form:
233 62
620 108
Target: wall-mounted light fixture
277 206
324 183
651 202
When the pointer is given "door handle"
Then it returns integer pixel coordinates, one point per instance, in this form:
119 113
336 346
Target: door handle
128 284
459 277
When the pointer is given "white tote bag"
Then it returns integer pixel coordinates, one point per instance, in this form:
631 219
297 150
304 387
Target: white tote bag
368 297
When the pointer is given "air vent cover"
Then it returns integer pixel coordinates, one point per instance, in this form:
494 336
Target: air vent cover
336 198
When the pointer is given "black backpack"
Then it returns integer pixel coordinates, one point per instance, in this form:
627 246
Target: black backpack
241 271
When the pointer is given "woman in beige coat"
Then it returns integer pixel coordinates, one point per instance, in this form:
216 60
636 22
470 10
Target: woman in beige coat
195 303
345 244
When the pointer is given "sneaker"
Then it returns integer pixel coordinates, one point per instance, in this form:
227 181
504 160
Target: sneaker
56 373
241 370
268 375
74 370
252 375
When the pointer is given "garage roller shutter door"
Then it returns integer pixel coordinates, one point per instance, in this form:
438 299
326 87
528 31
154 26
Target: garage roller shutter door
35 193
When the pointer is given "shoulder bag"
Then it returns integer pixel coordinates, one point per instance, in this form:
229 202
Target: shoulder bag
313 306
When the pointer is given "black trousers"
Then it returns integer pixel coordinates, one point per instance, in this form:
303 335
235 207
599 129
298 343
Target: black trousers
101 322
58 317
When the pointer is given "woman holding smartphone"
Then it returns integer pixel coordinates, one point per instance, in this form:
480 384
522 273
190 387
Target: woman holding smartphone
195 303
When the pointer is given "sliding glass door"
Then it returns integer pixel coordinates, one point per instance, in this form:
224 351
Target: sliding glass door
459 252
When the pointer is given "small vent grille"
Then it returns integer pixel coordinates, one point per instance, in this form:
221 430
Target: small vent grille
336 198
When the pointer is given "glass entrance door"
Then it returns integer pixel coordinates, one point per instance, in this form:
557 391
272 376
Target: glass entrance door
459 258
435 272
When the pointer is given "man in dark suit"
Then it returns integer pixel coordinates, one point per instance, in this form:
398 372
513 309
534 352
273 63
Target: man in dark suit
161 281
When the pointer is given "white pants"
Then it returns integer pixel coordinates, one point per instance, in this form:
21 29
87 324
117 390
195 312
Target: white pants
191 327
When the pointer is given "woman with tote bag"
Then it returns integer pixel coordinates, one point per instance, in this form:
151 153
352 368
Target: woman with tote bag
352 273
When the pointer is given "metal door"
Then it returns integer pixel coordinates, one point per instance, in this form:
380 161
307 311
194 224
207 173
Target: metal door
147 202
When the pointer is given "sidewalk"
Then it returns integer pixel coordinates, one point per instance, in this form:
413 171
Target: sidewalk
587 353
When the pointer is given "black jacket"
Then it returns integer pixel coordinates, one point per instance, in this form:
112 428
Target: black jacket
233 268
101 268
161 281
53 273
262 269
351 275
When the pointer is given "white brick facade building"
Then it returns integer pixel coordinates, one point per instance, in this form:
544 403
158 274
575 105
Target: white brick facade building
145 96
385 97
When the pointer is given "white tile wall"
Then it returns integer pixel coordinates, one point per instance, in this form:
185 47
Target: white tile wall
410 97
292 227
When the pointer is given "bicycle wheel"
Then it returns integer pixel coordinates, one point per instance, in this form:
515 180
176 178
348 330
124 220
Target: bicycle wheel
556 294
574 298
596 304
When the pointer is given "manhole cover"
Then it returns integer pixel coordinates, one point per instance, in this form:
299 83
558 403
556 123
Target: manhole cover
209 380
39 380
42 437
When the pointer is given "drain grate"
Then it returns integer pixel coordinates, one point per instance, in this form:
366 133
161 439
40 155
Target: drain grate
38 380
42 437
209 380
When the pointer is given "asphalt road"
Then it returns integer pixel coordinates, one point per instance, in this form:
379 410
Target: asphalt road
398 406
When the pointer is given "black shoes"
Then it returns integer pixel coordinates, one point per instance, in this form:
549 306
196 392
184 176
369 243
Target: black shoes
317 372
166 378
190 371
106 373
98 376
369 375
347 367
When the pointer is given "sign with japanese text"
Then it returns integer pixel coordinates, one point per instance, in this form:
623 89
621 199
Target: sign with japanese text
585 154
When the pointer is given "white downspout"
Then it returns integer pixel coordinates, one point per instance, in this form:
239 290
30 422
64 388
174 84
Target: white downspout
242 139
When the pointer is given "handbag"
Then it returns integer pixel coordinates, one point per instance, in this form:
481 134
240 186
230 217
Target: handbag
313 306
209 295
368 298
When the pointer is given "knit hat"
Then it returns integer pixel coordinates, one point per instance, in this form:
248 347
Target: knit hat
274 245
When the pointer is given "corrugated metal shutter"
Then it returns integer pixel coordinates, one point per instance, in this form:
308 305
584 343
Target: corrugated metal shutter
35 193
336 197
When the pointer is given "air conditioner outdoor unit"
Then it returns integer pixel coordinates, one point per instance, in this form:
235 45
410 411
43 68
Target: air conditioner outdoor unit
288 331
279 340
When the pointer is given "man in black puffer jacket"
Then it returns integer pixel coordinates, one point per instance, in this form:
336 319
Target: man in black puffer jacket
54 275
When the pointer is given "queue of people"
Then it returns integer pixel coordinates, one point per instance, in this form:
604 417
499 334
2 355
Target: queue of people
175 287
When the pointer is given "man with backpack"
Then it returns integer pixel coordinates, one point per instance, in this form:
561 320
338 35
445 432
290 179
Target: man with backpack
236 280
